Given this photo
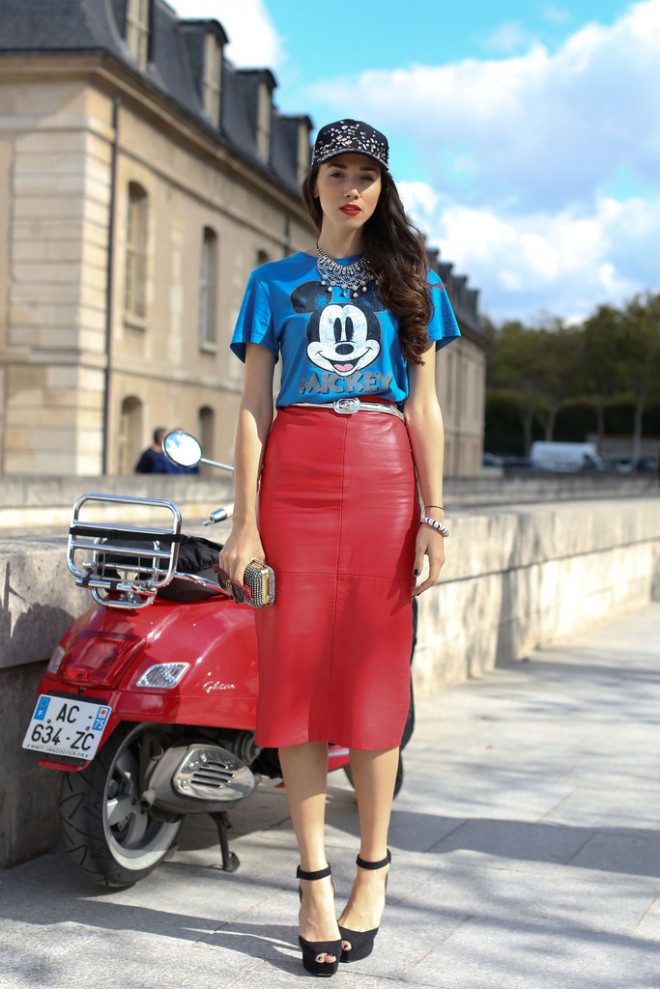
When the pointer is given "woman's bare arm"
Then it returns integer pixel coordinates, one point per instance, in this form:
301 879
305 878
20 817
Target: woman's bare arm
255 418
427 438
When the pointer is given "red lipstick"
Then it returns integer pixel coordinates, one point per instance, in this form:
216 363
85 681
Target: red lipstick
350 210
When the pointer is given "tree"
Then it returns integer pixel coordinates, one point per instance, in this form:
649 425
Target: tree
515 363
601 345
575 420
559 374
639 356
541 364
616 351
503 420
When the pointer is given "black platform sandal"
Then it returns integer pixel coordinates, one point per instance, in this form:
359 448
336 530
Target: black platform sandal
310 949
362 942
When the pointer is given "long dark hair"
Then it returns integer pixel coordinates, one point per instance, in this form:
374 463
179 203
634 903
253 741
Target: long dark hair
397 256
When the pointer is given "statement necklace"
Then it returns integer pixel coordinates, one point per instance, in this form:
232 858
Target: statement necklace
350 278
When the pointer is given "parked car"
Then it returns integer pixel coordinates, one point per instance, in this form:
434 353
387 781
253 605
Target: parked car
641 465
565 457
509 461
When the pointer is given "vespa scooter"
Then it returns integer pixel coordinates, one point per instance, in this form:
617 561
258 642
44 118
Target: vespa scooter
148 703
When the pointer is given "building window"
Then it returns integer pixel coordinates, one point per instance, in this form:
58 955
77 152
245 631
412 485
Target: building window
212 78
130 434
303 153
264 109
206 430
137 31
208 281
135 292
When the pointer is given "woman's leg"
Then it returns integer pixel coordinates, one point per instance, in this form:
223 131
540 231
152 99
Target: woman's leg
305 769
374 776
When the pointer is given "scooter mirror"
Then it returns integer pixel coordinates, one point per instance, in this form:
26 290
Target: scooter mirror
182 449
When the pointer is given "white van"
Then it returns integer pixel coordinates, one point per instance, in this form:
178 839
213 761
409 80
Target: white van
565 457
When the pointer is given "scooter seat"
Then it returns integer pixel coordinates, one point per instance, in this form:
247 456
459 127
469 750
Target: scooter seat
194 579
187 588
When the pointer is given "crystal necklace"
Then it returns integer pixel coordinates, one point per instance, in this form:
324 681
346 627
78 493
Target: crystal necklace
350 278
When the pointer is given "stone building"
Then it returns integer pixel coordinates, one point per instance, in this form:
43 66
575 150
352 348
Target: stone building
461 377
143 176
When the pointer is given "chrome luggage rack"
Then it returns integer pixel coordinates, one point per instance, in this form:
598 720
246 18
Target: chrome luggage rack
124 566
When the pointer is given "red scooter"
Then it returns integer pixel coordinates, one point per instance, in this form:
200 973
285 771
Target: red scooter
148 704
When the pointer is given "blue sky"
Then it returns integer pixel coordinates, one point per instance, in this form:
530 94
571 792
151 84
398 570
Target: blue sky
525 135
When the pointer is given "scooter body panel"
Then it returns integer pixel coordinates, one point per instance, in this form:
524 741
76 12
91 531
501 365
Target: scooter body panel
106 651
180 677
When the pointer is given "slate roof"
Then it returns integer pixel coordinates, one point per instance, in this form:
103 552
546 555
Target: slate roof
59 26
76 27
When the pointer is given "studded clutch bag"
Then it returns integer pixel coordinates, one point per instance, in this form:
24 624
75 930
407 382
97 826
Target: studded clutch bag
257 589
259 579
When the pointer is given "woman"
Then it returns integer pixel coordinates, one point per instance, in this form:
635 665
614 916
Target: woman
327 495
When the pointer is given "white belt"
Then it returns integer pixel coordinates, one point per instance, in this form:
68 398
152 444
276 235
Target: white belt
349 406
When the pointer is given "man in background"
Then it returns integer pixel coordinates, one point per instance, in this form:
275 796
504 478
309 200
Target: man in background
153 460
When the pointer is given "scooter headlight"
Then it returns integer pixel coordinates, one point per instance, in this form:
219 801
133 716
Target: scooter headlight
163 676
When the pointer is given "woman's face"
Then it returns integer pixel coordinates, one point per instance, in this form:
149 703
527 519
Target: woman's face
348 188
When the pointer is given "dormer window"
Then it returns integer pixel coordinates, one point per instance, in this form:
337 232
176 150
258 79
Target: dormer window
137 31
303 156
264 113
212 78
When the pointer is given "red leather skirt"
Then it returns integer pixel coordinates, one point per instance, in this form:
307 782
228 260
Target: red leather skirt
338 516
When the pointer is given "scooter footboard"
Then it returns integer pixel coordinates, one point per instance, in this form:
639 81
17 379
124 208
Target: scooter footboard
124 566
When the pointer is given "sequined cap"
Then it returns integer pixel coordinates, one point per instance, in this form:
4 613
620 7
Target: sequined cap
350 137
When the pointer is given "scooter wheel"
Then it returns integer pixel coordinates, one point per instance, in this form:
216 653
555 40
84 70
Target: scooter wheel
108 832
398 783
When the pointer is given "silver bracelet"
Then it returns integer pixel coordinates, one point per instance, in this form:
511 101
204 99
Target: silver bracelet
434 524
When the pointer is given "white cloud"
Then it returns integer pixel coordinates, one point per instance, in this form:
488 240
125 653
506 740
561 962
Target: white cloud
565 263
254 42
507 38
419 198
540 130
543 170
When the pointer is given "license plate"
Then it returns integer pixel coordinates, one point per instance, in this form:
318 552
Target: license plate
65 726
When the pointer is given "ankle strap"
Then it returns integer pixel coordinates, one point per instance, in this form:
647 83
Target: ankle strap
319 874
375 865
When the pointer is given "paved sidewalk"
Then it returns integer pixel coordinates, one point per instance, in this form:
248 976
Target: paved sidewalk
526 854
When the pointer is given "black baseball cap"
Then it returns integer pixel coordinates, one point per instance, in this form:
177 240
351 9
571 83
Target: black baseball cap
350 137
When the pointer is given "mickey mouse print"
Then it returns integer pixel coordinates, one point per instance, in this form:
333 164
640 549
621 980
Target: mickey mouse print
343 338
331 346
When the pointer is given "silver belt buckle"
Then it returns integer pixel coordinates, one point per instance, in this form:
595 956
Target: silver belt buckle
346 406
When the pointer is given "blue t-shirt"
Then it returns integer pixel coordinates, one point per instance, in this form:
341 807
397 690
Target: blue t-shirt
331 346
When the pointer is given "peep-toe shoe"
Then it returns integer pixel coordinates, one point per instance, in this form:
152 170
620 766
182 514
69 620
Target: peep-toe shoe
310 949
362 942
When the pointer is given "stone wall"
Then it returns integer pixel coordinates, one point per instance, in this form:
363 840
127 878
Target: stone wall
520 577
31 503
516 578
461 380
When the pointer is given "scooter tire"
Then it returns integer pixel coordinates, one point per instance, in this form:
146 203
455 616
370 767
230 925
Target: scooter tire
107 832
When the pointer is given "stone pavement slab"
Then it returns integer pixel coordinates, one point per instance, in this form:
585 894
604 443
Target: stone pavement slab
525 840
